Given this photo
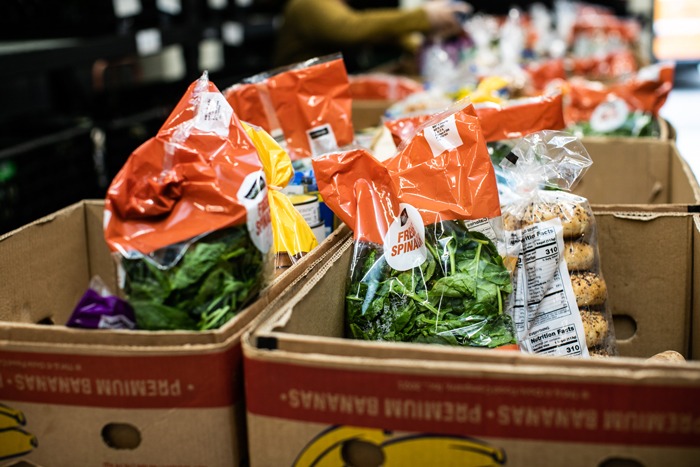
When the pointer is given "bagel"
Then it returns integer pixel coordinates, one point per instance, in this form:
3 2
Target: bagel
595 326
579 256
589 288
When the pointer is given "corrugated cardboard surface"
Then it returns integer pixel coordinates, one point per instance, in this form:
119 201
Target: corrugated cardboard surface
636 171
181 391
304 381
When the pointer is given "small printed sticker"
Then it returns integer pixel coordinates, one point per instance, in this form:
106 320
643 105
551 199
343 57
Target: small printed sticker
213 114
253 195
609 116
443 136
404 243
321 140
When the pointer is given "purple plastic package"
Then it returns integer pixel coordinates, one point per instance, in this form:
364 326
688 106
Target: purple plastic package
98 309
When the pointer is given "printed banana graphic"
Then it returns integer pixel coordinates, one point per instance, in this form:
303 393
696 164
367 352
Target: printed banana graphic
10 417
366 447
14 441
326 449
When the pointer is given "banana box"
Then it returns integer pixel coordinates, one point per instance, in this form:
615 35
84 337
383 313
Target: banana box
325 400
74 397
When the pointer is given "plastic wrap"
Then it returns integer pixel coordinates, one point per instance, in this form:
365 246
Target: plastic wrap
100 308
426 265
626 108
292 235
560 295
188 218
382 86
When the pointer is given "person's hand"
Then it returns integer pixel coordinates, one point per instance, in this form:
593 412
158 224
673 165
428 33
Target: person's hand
444 15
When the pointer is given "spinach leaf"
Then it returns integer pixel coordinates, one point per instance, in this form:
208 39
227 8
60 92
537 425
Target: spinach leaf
216 277
456 297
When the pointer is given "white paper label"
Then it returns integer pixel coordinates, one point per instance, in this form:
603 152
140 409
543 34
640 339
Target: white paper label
213 114
404 243
609 115
115 322
443 136
650 73
253 195
148 41
124 8
171 7
217 4
483 226
546 317
321 140
232 33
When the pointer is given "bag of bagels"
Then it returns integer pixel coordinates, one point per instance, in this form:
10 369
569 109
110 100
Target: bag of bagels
560 297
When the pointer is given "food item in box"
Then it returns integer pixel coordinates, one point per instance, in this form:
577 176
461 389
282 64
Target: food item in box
292 234
309 101
626 108
99 308
560 294
188 218
426 265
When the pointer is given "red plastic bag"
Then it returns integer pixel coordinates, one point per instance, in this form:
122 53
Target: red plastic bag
381 86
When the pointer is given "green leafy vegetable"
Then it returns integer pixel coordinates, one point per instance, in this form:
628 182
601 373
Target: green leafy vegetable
218 275
637 124
455 297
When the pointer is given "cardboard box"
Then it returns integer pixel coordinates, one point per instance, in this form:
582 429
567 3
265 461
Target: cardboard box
637 171
324 398
72 397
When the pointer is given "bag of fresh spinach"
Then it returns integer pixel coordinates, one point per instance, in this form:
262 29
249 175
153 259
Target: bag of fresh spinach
188 218
426 263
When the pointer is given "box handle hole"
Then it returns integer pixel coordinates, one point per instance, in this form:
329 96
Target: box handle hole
360 453
620 462
47 321
121 436
625 327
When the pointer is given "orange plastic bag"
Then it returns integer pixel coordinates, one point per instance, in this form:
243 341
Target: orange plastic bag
626 108
189 218
313 104
378 86
251 102
513 119
425 264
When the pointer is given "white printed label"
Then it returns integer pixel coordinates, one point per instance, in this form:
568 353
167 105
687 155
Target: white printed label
171 7
546 317
650 73
321 140
124 8
253 195
483 226
213 114
404 243
443 136
232 33
148 41
609 116
115 322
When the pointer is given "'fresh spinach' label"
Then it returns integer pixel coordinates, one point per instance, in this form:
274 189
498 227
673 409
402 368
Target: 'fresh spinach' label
404 243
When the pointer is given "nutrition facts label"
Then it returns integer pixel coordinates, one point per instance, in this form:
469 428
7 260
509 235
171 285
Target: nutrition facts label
544 308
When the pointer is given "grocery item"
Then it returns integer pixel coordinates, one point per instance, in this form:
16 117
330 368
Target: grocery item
310 103
426 264
560 295
188 218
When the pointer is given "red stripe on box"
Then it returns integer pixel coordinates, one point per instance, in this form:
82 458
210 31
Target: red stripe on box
212 379
603 413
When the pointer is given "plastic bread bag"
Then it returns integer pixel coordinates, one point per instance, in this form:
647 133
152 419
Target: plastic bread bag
292 235
627 108
426 265
188 218
560 296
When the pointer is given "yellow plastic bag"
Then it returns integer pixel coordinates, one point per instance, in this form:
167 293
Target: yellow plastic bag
292 236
